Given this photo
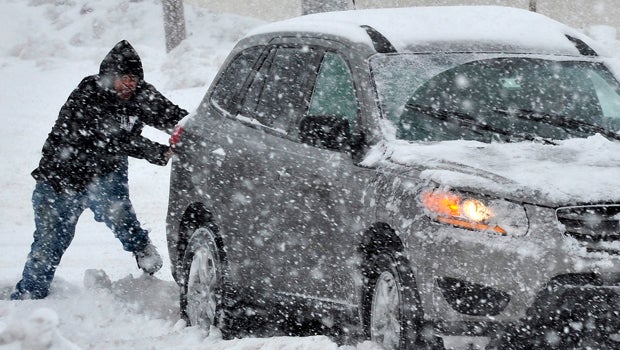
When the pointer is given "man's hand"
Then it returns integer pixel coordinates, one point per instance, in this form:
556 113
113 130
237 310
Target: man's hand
169 154
176 136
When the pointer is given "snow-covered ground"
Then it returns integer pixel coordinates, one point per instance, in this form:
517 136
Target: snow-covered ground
46 48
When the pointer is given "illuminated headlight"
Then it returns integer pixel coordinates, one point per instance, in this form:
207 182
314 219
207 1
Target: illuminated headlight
497 216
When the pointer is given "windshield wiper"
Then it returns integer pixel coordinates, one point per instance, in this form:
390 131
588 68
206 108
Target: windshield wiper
477 125
569 125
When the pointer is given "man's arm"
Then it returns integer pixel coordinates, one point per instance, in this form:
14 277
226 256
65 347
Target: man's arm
158 111
143 148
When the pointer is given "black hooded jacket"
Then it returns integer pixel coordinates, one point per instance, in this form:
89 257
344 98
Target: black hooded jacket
96 130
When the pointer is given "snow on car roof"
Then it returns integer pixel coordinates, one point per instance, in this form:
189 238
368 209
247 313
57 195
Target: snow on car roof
490 28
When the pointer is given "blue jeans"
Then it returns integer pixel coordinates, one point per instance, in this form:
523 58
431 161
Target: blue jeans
56 215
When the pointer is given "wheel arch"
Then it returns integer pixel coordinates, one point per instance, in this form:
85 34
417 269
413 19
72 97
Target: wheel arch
196 215
380 236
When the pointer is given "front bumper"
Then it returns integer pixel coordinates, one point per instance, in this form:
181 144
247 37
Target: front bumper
572 311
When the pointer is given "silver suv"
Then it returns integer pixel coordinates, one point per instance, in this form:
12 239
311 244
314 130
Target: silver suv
404 175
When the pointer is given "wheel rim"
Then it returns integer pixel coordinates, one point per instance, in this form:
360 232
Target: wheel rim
203 283
385 312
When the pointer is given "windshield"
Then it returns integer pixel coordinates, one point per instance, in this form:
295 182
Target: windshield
489 97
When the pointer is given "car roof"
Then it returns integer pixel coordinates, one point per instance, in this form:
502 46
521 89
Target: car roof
443 28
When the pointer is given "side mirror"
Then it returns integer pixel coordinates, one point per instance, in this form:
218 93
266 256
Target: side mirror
323 131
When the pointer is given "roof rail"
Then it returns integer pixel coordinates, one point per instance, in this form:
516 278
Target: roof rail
582 47
380 42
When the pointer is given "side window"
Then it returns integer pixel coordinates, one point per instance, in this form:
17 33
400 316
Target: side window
233 79
334 92
607 96
279 95
254 89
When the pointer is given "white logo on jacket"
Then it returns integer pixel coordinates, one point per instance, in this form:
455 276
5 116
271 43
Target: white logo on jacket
127 123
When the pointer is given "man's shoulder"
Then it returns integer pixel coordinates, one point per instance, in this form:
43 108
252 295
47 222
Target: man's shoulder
91 87
91 81
147 88
89 91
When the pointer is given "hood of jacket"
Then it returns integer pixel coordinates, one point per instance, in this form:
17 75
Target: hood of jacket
122 59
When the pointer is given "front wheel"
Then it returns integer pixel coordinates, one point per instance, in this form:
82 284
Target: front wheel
385 311
201 299
385 299
392 310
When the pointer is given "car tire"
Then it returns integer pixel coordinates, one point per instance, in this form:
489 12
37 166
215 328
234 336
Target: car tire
392 312
385 304
203 297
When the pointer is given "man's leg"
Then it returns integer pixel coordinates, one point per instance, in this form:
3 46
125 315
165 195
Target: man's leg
55 216
109 200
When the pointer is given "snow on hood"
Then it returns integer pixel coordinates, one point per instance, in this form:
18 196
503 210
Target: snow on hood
574 171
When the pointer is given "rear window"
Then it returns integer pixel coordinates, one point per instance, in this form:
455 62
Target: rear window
232 81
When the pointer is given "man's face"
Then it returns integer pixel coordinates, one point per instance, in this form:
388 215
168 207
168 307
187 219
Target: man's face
125 85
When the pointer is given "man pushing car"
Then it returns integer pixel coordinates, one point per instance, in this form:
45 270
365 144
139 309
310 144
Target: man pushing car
84 165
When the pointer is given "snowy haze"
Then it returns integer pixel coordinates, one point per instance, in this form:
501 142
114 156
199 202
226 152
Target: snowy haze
46 48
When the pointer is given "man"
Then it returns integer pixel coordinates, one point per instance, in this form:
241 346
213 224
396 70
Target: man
84 165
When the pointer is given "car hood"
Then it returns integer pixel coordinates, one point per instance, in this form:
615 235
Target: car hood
573 171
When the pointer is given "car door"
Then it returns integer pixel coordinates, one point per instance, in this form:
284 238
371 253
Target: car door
236 166
288 208
320 192
251 205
